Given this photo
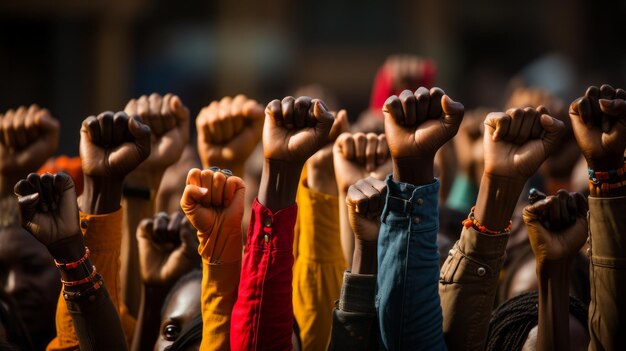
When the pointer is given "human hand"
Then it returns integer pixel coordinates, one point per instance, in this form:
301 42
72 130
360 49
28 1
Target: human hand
365 202
599 123
167 248
468 144
213 203
557 226
228 132
320 168
168 119
417 125
517 142
357 156
28 137
295 129
48 207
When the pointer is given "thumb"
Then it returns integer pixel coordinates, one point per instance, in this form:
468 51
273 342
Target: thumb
142 134
193 195
28 206
615 107
46 123
452 112
323 117
340 125
180 110
553 131
532 213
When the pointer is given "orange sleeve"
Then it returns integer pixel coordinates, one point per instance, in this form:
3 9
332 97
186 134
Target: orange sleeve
221 269
103 236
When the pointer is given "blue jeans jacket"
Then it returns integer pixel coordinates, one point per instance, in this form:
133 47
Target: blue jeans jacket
407 299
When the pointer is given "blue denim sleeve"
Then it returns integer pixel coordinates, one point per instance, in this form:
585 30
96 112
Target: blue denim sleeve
407 299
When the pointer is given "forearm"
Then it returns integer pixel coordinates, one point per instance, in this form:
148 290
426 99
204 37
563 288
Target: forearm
148 321
497 198
100 195
279 184
553 329
365 260
346 234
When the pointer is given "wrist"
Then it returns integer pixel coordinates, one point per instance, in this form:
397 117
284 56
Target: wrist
143 179
497 198
365 257
605 164
279 184
100 195
413 170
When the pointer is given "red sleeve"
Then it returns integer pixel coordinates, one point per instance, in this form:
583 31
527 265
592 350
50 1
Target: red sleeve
262 318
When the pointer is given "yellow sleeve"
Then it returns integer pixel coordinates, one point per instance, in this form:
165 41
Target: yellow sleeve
103 237
318 269
221 269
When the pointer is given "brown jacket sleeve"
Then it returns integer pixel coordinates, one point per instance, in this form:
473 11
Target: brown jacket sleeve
607 239
467 287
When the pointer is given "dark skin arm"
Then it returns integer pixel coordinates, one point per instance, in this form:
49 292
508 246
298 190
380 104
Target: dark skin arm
557 229
49 212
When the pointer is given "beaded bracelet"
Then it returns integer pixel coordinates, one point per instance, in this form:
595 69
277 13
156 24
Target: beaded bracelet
606 187
74 295
82 281
471 221
611 174
73 265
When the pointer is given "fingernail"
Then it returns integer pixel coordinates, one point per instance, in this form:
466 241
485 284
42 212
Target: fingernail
203 191
607 103
549 120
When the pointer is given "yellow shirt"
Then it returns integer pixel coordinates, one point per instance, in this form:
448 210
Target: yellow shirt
319 266
103 237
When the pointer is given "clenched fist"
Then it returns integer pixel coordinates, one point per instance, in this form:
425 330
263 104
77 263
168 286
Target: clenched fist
599 123
557 226
228 132
28 137
213 203
357 156
167 248
111 146
168 120
295 129
417 125
517 142
48 207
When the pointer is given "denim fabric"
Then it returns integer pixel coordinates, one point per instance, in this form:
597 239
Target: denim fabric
407 300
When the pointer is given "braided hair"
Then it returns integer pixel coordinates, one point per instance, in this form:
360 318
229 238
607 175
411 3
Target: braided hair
512 321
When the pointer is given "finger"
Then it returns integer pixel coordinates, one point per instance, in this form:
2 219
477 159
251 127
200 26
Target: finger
614 108
28 205
193 195
529 115
453 112
572 209
409 103
435 107
206 180
47 190
194 177
62 182
382 150
167 115
105 120
217 193
173 226
274 111
372 197
581 110
223 118
422 95
535 212
360 144
31 125
553 131
120 128
517 118
620 94
393 109
536 130
131 108
141 135
288 108
607 92
154 113
381 188
233 184
370 152
143 109
35 183
339 126
302 106
324 120
356 200
498 124
554 213
7 128
564 220
581 204
145 231
181 112
19 129
346 146
23 188
92 128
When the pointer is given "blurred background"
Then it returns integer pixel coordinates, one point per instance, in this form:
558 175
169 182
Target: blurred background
79 58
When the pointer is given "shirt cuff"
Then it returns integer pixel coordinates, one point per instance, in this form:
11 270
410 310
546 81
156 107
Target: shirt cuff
102 232
358 293
274 229
418 202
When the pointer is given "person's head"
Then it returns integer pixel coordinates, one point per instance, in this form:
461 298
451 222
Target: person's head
513 325
13 335
29 276
181 307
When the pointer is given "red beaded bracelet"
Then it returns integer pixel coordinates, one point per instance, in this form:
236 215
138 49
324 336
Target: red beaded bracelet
471 221
606 187
73 265
82 281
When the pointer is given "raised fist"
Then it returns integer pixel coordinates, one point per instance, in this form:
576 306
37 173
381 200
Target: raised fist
295 129
48 207
213 202
517 142
28 137
168 120
228 131
167 248
418 124
599 123
113 145
365 201
357 156
557 226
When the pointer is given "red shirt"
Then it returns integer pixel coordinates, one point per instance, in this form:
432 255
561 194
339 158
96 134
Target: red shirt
262 318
